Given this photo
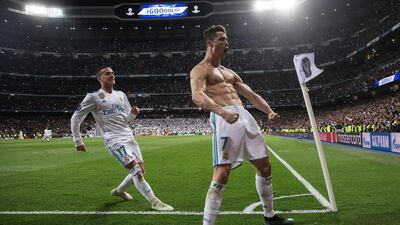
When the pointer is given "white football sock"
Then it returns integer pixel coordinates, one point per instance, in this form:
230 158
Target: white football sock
213 202
264 190
125 183
142 186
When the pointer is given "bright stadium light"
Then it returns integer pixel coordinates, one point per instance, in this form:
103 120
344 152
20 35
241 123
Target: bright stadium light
264 5
37 10
284 4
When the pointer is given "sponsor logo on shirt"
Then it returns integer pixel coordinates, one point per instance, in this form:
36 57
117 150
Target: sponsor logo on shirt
115 108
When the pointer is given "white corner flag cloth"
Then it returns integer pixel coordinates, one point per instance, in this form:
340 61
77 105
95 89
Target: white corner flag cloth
305 67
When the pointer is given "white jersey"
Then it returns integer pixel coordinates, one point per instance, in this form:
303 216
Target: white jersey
47 132
112 113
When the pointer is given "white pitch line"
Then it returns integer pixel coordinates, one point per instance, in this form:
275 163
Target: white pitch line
251 207
185 213
325 203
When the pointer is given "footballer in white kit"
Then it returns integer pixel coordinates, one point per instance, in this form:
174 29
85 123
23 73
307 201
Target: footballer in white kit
109 112
47 134
112 112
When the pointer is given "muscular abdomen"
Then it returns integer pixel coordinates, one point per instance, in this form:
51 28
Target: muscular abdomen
223 94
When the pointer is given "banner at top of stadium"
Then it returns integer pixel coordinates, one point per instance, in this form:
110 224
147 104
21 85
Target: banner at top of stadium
135 11
163 10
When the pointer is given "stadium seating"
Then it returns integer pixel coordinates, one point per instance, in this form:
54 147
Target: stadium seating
49 76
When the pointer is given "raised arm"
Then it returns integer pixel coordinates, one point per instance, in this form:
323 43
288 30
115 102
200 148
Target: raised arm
254 98
87 105
198 81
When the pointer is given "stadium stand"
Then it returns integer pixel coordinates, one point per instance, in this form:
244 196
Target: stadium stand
46 74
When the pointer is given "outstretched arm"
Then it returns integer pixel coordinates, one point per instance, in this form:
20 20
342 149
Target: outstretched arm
198 81
254 98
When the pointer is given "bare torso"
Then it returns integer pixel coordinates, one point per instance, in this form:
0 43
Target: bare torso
220 85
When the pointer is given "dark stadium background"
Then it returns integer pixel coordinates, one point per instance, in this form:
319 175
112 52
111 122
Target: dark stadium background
46 63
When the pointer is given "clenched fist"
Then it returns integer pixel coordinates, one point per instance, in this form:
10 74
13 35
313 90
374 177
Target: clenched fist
135 110
230 117
273 117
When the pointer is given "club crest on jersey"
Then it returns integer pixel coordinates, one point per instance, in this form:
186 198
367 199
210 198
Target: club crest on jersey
225 156
126 159
101 95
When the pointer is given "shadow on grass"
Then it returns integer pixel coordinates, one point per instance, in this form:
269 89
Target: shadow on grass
101 218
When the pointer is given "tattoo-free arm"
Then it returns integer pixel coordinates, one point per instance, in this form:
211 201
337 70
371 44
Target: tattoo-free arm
198 81
248 93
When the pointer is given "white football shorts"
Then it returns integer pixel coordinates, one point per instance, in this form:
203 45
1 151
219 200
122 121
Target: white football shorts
124 150
233 142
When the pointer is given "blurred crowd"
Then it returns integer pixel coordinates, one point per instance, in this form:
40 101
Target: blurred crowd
34 127
343 36
178 126
378 114
279 89
266 51
271 60
371 115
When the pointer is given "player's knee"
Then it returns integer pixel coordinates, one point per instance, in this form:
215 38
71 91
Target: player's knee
221 176
137 173
141 165
134 169
266 171
221 173
131 165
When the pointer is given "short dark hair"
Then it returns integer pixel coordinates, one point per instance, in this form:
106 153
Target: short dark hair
98 70
210 33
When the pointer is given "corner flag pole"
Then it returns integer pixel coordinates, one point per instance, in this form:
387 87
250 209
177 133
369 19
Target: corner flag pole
306 70
321 154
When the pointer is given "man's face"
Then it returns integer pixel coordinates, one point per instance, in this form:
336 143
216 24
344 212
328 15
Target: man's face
220 44
107 76
305 63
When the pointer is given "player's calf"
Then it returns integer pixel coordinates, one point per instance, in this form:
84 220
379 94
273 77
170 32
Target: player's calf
213 202
145 190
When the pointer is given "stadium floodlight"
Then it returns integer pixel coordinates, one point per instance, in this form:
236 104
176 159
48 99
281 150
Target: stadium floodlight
37 10
263 5
283 5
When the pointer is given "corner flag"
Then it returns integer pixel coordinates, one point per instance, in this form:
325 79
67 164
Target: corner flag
306 70
305 67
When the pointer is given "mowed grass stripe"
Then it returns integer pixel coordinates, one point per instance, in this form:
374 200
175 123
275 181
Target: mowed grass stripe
179 170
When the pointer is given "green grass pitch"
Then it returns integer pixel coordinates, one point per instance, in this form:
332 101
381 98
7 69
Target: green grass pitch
52 176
